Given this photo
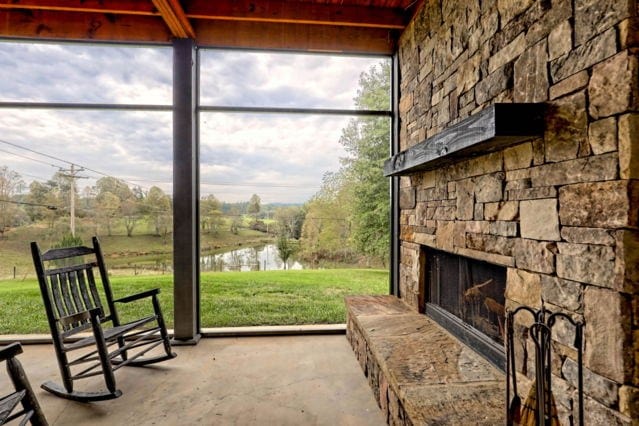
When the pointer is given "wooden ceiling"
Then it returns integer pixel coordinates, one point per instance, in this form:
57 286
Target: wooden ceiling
354 26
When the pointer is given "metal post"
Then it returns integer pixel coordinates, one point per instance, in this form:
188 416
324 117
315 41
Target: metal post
394 189
185 194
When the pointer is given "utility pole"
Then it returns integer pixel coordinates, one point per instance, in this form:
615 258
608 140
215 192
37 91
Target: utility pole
72 174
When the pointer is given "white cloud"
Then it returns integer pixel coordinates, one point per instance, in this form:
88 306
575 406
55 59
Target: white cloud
280 157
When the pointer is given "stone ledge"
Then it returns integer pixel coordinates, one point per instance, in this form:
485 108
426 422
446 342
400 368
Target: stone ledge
419 373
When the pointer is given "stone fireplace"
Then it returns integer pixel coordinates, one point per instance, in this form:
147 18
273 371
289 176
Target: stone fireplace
558 211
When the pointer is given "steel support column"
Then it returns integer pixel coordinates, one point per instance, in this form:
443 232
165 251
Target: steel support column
394 186
186 244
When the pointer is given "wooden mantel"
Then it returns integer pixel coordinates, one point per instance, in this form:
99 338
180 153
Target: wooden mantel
496 127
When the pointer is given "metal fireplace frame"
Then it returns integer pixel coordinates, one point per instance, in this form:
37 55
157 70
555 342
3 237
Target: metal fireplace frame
465 332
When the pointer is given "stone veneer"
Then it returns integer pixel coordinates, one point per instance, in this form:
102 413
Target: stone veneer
420 374
561 212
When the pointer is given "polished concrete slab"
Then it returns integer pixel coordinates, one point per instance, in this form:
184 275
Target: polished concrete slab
284 380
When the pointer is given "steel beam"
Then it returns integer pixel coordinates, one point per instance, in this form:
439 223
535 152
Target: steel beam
186 247
394 186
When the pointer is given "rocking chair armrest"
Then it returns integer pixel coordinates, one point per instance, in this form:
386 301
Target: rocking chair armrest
137 296
10 351
90 314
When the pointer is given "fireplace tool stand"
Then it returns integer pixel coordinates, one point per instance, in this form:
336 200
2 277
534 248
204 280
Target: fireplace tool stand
539 407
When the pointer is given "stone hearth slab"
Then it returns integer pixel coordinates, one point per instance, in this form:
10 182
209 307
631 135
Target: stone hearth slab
421 374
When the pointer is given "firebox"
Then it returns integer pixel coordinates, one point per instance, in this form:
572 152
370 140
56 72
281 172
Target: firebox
466 296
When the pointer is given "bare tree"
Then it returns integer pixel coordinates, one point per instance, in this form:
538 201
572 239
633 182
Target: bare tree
10 184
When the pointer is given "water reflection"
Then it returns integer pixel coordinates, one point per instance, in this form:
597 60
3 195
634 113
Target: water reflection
264 258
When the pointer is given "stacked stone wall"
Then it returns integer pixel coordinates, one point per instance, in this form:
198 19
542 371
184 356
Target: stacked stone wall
561 211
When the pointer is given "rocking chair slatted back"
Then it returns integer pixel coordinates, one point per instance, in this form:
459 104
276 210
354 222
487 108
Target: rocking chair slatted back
64 283
72 288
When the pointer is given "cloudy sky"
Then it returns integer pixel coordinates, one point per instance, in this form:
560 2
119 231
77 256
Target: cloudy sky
282 158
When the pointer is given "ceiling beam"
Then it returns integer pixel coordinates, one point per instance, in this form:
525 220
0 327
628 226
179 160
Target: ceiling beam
279 11
175 19
116 7
312 38
41 24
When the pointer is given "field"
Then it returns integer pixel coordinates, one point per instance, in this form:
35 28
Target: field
125 255
228 299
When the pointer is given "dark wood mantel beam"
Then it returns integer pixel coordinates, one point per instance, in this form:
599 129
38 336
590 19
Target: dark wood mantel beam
497 126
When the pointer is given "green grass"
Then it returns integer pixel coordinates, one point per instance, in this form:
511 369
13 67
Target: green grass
228 299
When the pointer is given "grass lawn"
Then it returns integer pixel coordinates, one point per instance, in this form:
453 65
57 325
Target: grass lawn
228 299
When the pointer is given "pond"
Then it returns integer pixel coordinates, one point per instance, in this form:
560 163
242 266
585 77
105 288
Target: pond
263 258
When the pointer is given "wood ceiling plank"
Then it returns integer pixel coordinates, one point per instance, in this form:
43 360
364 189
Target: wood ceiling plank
260 35
117 7
310 13
82 26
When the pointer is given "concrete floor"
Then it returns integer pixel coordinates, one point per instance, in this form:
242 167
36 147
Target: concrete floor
291 380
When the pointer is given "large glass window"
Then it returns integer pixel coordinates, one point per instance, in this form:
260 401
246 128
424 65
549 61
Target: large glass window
294 205
267 79
68 173
81 73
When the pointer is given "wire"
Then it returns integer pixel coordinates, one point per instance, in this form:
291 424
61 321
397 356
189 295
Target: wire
60 159
50 207
28 158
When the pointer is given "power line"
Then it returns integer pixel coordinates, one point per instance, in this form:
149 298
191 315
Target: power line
35 152
48 206
28 158
62 160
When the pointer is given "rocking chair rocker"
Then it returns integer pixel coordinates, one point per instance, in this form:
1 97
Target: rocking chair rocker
73 304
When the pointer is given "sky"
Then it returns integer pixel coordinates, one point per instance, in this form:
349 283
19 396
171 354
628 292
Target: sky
280 157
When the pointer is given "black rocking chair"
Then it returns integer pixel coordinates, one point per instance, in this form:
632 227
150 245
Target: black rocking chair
72 300
21 392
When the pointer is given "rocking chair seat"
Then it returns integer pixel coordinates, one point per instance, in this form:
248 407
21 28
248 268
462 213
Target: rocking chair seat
109 333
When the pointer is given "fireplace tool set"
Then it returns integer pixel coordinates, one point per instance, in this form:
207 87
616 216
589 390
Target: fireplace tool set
539 409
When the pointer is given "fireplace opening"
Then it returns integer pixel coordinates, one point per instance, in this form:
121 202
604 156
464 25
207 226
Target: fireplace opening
466 296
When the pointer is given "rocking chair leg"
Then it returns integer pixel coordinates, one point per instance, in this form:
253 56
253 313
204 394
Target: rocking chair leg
121 344
160 319
29 402
103 353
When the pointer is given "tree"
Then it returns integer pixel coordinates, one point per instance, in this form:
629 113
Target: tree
211 214
236 220
358 192
130 205
285 247
43 194
130 209
254 205
157 205
326 229
108 205
289 220
10 184
366 140
115 186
